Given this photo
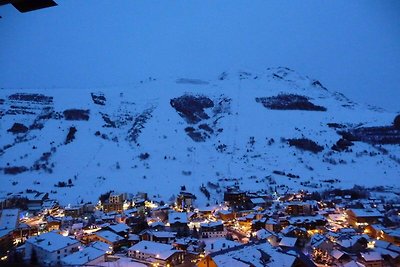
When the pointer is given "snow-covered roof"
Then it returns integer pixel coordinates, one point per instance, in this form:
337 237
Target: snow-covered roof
291 228
156 224
349 242
257 200
306 219
121 262
392 232
337 253
371 256
217 244
163 234
288 241
225 212
120 227
158 250
110 236
175 217
9 219
251 254
33 196
387 252
133 237
101 246
4 232
52 241
353 264
366 213
211 224
83 256
264 234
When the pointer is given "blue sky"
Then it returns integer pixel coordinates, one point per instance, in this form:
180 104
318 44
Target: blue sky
351 46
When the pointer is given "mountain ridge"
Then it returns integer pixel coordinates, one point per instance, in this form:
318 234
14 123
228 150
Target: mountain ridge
139 138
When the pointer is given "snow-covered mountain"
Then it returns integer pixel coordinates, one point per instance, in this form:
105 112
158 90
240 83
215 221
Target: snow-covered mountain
273 130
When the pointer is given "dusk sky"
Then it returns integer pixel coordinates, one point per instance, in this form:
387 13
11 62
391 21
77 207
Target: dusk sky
351 46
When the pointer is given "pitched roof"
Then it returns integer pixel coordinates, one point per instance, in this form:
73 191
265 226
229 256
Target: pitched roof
288 241
366 213
52 241
83 256
371 256
177 217
252 254
110 236
9 219
120 227
159 250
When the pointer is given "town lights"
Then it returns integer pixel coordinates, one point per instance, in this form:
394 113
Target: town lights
371 244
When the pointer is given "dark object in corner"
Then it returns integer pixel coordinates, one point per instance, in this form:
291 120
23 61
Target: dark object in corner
29 5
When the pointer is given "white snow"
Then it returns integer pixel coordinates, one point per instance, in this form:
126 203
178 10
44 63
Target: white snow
96 165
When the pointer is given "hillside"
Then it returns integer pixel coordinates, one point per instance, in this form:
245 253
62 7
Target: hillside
276 130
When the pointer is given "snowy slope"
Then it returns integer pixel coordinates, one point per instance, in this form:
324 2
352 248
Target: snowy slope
108 151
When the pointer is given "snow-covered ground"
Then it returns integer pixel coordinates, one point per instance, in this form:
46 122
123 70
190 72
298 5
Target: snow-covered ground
236 149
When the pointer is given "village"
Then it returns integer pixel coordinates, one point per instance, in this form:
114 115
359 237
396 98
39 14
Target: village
339 228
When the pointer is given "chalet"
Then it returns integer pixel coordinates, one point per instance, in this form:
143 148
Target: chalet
53 223
156 253
50 248
101 246
321 243
264 234
308 222
297 208
120 229
8 224
258 201
178 222
226 215
116 197
236 198
252 254
88 256
360 218
389 252
272 225
220 244
74 211
205 211
371 259
353 244
339 257
137 224
140 204
158 226
112 239
35 200
157 236
288 242
112 206
160 212
50 205
24 231
374 230
185 200
212 229
188 244
258 224
391 235
293 231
